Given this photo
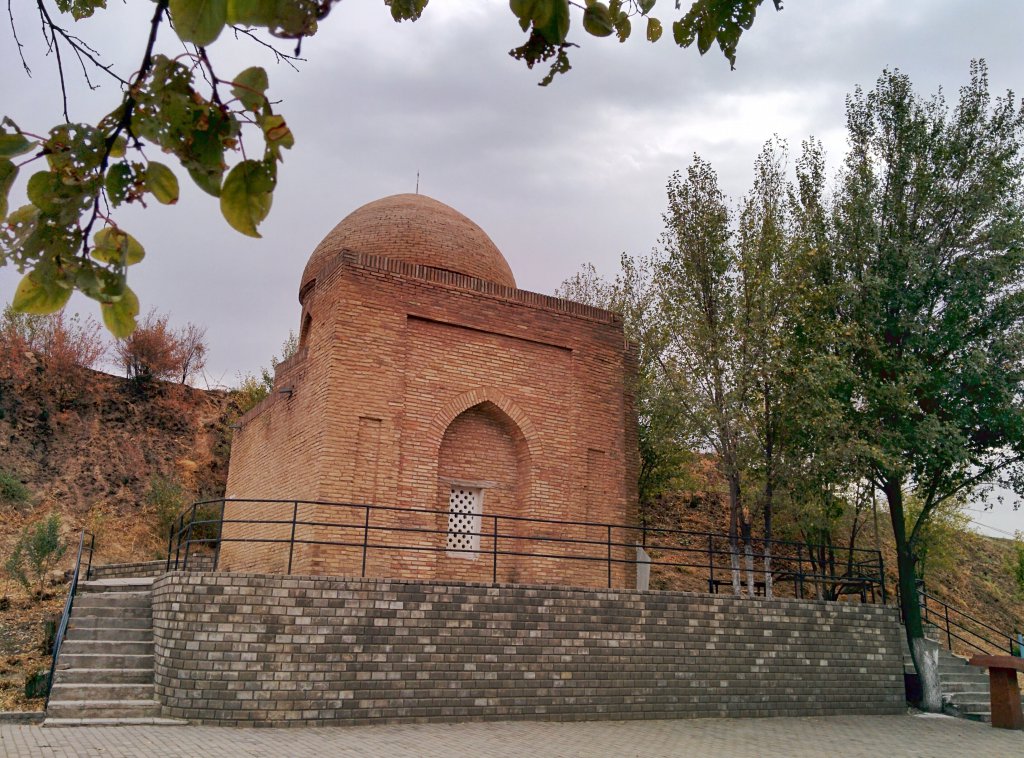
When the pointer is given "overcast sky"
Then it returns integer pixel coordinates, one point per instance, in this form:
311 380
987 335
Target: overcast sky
557 176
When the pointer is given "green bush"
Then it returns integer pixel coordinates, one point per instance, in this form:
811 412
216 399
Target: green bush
1017 562
166 499
39 548
12 491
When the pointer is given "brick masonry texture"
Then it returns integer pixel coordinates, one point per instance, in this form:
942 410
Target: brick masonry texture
412 372
245 649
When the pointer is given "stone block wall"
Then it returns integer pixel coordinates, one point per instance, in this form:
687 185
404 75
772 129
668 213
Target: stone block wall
245 649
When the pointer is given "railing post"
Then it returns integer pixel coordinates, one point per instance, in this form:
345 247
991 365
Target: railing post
291 542
220 536
949 635
170 543
177 541
799 580
609 556
366 538
188 538
92 548
494 552
881 574
711 564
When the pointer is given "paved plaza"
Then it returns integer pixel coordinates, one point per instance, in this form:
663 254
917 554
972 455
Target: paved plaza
912 736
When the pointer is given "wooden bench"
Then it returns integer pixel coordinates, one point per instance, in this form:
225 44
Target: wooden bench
1004 693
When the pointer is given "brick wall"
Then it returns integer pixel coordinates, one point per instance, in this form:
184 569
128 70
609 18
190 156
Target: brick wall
242 649
395 355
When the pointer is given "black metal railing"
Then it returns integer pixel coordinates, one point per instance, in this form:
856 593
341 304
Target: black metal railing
972 633
62 627
372 530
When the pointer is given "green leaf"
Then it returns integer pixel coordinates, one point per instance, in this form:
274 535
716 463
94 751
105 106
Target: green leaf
8 173
597 20
44 191
250 87
208 181
623 26
252 12
646 6
120 146
406 10
12 145
39 295
162 182
119 178
246 196
199 21
119 315
115 247
654 29
551 19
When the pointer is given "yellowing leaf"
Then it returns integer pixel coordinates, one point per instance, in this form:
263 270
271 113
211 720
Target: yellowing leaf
111 245
119 316
162 182
199 21
39 296
246 196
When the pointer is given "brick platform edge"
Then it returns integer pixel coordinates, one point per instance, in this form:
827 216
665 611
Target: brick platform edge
247 649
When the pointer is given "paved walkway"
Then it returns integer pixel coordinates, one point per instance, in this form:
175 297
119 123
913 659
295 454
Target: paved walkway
913 736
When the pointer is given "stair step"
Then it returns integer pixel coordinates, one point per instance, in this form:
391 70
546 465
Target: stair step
111 612
102 709
77 633
79 621
99 690
119 584
107 647
145 721
108 675
114 600
101 661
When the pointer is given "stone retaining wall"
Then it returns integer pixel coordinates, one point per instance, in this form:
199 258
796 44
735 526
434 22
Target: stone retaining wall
246 649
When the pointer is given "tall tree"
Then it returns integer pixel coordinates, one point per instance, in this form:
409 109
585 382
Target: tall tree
703 355
929 242
764 250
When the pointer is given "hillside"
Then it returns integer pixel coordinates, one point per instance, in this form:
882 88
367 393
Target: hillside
91 447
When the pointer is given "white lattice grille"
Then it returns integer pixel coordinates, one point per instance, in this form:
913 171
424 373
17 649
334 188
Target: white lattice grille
464 507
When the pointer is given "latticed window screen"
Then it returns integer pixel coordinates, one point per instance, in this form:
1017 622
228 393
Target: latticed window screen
464 507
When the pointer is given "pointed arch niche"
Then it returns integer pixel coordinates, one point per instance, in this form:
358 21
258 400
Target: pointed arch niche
484 459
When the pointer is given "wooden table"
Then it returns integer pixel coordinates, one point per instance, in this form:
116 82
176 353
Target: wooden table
1003 690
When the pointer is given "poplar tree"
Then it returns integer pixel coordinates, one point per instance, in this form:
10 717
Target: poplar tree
929 243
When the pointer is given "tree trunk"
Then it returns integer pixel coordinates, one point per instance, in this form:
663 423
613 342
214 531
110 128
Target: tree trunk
748 549
924 652
734 548
768 539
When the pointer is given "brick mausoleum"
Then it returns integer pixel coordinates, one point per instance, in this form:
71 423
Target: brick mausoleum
425 379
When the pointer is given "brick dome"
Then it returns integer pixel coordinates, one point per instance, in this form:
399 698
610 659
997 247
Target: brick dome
417 229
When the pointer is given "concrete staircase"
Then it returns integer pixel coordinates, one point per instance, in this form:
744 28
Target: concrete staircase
964 687
104 671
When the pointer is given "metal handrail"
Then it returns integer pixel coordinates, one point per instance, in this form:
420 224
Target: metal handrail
865 574
943 618
62 628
